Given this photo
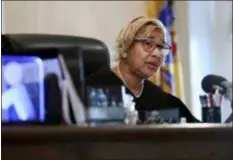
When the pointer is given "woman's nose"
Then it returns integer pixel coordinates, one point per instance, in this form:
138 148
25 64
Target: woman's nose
157 54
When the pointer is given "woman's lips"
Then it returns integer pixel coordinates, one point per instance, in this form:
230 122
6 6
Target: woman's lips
152 65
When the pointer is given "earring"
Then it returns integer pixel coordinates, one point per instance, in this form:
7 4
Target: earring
124 55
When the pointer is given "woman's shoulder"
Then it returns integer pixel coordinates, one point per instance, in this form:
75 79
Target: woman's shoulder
153 87
184 111
170 99
104 76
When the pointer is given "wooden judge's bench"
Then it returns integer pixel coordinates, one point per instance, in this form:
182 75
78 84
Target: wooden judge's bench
150 142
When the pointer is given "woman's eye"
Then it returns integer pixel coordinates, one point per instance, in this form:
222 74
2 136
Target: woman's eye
148 44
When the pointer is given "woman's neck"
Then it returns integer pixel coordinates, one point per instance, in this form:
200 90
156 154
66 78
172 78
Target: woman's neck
131 80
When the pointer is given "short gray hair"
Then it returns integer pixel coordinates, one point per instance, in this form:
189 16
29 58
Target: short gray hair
127 35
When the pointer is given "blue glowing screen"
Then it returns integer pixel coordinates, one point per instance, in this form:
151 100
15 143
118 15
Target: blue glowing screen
22 89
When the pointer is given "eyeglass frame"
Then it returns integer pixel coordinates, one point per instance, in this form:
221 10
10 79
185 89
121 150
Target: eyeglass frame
164 46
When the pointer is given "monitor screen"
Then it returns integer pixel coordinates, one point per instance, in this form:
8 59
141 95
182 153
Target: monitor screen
22 89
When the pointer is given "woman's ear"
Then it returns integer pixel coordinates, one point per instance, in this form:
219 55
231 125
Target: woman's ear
124 55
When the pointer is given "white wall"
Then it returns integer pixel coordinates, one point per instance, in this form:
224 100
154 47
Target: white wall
201 51
182 33
222 42
98 19
222 45
203 30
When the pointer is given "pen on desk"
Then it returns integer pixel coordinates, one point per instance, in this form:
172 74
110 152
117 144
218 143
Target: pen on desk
203 100
221 99
217 99
205 107
210 97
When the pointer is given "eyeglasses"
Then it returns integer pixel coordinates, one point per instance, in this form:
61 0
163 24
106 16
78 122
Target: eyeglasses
149 46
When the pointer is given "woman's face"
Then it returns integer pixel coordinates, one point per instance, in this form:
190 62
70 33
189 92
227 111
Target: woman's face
145 56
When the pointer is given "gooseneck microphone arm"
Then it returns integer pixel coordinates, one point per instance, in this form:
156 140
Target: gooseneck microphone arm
227 85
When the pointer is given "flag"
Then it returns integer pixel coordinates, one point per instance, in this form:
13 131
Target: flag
162 11
178 71
169 77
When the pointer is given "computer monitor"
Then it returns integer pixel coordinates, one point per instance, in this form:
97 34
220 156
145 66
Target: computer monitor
40 81
24 89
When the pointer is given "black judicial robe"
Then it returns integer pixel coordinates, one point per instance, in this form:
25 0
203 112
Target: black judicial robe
152 97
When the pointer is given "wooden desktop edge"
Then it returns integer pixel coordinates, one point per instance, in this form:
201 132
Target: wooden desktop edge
60 134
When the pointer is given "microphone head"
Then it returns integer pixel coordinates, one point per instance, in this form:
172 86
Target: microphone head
209 82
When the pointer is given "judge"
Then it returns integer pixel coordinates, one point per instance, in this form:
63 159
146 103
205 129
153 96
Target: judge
141 51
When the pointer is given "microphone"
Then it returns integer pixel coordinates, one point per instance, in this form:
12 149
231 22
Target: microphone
211 83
